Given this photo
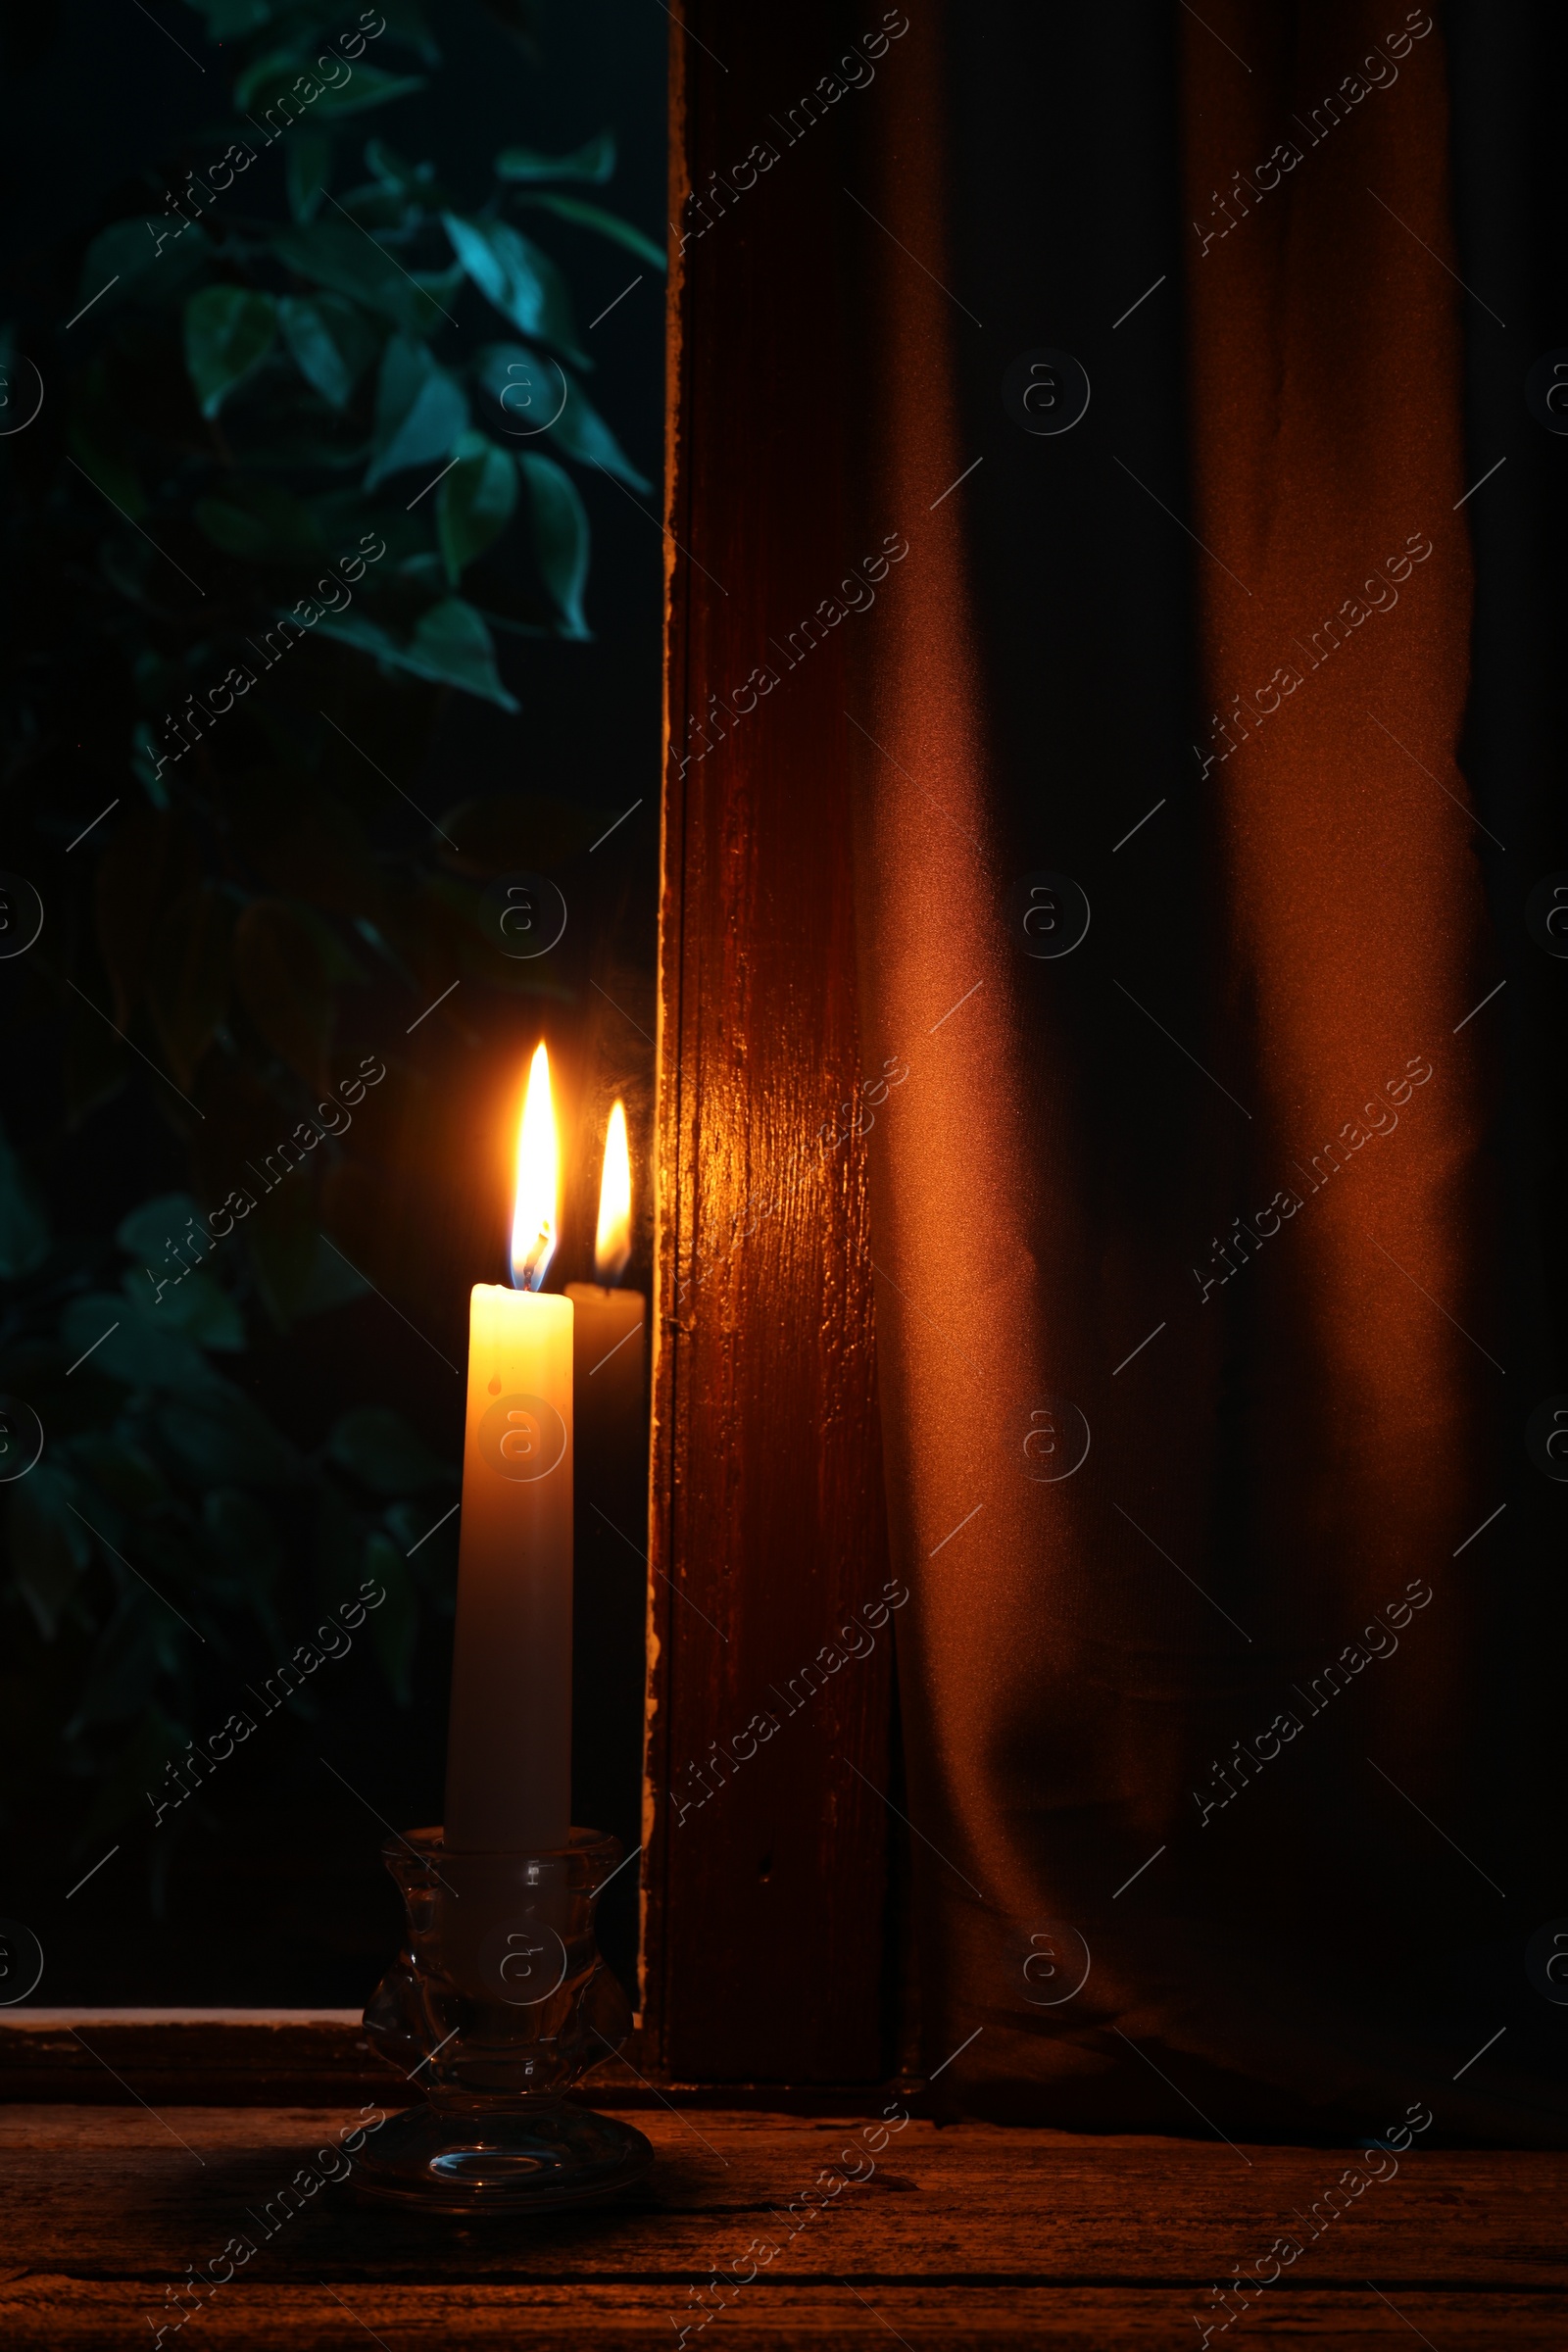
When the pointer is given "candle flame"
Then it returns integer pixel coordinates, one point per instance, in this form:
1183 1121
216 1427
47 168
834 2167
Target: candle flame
533 1218
613 1243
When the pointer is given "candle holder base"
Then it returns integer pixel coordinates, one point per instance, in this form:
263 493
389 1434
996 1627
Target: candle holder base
497 2003
500 2163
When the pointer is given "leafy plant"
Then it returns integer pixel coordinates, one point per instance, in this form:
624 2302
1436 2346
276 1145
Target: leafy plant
317 455
169 1506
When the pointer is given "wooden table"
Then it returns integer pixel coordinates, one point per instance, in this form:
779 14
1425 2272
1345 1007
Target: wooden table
963 2234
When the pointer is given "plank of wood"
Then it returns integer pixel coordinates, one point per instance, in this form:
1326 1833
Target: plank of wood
59 2314
768 1526
104 2194
302 2058
270 2057
223 2058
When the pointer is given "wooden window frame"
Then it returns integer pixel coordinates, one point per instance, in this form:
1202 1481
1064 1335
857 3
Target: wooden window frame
765 1902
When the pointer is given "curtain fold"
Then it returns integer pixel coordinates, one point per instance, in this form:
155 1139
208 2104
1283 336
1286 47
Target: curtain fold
1186 1230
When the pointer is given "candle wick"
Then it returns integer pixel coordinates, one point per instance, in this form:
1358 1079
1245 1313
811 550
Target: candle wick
529 1274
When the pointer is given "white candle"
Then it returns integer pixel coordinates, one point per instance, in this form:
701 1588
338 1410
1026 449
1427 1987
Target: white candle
508 1750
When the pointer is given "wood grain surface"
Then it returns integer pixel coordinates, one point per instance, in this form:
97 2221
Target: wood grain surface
766 1874
963 2235
240 2058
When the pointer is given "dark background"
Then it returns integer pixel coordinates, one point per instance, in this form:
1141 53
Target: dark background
274 1893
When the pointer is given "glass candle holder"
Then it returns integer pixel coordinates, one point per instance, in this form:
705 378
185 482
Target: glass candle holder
497 2003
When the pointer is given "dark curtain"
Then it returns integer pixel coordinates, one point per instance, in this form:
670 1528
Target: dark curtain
1217 1278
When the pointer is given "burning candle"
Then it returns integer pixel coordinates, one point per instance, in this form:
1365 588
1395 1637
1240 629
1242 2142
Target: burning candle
609 1350
611 1354
607 1317
509 1751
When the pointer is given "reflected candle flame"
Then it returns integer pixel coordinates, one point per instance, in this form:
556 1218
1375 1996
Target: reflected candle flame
612 1242
533 1218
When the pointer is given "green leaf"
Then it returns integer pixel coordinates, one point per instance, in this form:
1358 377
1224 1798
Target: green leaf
49 1545
306 163
383 1452
395 1621
259 521
23 1222
420 411
228 332
274 82
450 646
193 1303
560 537
476 502
224 1440
371 87
605 225
330 341
453 646
147 763
273 90
149 1230
595 160
346 258
523 282
366 636
131 1343
578 428
529 387
128 250
406 22
583 434
271 70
